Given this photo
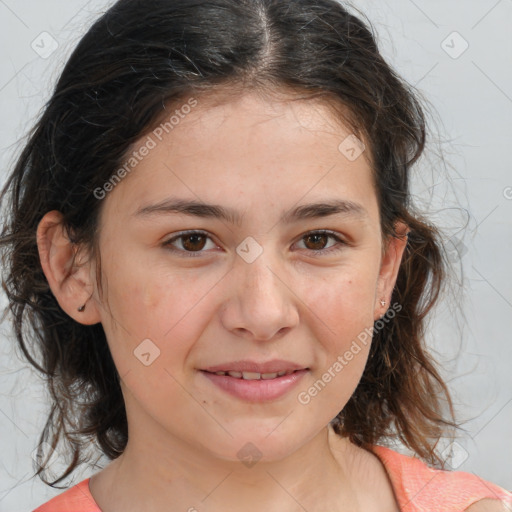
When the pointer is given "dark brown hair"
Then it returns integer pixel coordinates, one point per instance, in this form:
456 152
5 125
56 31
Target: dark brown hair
135 61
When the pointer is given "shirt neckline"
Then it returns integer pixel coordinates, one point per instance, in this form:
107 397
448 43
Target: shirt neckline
379 451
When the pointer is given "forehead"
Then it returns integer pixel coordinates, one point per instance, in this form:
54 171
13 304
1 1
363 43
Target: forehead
255 115
248 148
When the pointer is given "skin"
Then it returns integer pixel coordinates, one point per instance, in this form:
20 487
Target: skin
261 157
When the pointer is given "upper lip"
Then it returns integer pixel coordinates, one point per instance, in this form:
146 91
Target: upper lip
274 366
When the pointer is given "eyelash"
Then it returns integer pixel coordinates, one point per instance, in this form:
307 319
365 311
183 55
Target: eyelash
195 254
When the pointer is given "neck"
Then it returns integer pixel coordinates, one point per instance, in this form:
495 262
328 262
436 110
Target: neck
153 476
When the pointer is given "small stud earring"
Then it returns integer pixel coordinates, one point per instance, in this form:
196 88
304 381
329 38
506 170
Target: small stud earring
81 308
382 302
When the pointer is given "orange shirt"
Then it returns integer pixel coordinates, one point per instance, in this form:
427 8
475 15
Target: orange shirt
417 487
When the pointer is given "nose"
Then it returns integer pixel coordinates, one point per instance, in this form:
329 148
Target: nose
261 303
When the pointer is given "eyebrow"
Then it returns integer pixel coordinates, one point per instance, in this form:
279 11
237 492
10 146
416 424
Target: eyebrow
326 208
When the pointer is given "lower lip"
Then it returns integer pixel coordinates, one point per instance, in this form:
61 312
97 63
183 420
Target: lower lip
260 390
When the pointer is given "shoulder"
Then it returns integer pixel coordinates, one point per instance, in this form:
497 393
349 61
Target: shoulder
489 505
419 487
76 499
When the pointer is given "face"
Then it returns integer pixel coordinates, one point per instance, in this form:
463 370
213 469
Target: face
272 285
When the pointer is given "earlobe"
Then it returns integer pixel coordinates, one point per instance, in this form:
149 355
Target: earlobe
389 268
70 284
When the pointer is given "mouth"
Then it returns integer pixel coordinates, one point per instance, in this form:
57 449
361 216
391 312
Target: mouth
252 370
255 382
254 375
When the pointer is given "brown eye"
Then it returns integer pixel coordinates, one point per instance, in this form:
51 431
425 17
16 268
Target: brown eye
316 242
193 242
188 243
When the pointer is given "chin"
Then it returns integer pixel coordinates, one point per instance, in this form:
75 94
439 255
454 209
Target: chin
260 442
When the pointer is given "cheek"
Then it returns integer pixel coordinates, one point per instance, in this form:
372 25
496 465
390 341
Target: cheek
163 305
341 309
343 303
150 334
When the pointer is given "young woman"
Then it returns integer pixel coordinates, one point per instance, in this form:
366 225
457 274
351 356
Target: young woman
211 236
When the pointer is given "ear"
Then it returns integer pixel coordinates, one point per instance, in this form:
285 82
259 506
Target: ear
70 281
390 264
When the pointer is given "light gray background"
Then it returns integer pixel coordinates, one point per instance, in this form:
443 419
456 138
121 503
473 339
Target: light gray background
469 194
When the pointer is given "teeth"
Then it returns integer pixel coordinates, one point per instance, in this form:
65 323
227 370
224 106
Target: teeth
255 375
251 375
